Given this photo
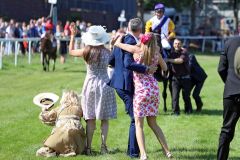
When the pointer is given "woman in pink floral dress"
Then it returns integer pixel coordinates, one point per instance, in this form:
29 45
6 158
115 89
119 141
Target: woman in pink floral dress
146 94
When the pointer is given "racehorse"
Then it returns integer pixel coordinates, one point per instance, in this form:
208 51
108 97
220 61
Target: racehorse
165 77
49 51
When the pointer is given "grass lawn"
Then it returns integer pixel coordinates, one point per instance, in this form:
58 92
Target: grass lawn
22 133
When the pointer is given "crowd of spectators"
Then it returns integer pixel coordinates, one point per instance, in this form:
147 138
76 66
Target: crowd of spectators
36 28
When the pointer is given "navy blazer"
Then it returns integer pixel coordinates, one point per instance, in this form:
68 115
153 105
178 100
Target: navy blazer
124 64
197 72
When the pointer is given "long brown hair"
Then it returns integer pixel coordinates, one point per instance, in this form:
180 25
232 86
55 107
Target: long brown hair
149 50
91 54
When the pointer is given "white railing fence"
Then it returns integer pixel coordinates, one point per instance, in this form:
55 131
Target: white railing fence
203 39
6 45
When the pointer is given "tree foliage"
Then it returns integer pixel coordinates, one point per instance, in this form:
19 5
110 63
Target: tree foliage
235 12
177 4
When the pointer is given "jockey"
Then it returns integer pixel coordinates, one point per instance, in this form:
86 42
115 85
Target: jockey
161 25
50 28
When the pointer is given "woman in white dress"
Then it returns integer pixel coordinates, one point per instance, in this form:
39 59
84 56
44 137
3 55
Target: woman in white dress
98 99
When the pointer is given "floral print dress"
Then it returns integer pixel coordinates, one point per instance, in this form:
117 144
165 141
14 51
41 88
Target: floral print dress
146 95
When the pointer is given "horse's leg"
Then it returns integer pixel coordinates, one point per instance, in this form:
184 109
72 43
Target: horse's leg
54 60
44 62
170 86
164 94
47 63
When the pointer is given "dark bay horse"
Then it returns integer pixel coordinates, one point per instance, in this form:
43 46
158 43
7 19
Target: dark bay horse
165 77
49 51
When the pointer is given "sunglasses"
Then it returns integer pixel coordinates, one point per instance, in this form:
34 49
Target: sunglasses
159 11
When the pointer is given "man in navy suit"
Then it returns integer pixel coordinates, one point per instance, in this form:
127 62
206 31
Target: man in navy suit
122 78
198 77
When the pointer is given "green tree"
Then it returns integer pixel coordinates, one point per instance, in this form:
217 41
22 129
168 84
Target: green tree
235 12
140 8
177 4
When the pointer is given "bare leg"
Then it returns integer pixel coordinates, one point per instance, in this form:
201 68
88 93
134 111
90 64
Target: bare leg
140 135
158 132
62 59
54 61
47 60
91 125
104 133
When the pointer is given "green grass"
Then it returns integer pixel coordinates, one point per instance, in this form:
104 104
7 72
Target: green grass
22 133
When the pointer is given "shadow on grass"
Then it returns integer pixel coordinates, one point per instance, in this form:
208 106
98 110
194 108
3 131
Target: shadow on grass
111 152
204 112
197 153
203 150
209 156
212 112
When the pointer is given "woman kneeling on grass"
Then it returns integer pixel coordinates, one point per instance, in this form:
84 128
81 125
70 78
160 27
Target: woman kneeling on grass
146 94
68 136
98 99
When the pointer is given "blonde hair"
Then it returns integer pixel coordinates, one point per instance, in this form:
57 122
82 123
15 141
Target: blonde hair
70 98
149 50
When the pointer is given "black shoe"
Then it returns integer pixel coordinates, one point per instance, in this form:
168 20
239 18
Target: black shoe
175 113
132 155
188 112
199 107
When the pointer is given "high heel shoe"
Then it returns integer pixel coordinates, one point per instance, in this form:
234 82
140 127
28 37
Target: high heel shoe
169 155
104 149
143 157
